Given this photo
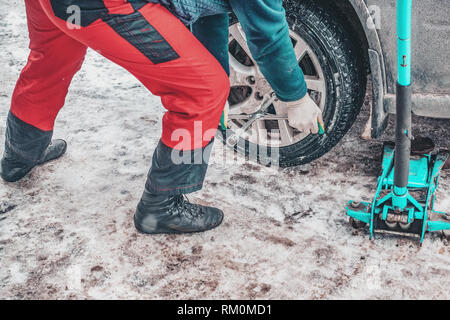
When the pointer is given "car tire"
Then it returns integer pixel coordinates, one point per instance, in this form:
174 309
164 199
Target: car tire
341 59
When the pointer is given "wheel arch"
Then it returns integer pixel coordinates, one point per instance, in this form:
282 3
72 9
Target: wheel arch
378 113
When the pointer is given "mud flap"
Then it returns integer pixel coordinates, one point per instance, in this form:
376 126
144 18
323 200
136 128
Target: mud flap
379 116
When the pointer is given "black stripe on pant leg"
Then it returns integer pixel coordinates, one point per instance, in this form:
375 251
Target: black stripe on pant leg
143 36
25 143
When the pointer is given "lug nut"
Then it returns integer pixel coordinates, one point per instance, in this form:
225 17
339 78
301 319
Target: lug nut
259 96
251 80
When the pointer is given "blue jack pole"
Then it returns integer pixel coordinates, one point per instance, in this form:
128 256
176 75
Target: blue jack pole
403 111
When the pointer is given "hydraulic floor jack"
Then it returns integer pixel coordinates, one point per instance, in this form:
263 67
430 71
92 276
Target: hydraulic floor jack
406 191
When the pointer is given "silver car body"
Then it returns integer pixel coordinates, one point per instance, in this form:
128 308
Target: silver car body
430 69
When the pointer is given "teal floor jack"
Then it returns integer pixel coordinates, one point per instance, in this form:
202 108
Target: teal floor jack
406 191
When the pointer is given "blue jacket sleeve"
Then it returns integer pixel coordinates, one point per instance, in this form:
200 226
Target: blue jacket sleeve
264 23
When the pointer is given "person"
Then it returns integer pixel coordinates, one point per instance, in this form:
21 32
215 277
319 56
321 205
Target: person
151 43
157 48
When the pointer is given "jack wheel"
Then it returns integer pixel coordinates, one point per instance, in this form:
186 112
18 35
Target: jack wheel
446 235
356 224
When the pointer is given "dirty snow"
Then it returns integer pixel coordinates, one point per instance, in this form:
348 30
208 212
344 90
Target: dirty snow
66 231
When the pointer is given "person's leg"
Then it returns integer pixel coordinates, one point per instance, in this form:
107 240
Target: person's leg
39 95
212 32
152 44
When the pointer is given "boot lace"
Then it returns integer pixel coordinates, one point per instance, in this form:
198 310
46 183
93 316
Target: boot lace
184 208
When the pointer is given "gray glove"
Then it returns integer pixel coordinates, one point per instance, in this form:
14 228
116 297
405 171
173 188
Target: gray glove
304 115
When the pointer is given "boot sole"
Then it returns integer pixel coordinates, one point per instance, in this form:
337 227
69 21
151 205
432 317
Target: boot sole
143 230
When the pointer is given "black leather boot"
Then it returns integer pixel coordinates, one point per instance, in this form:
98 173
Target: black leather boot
174 215
13 170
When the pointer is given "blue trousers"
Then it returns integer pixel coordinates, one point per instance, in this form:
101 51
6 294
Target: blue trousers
267 31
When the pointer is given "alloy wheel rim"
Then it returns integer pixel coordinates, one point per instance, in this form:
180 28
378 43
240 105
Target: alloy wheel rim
273 130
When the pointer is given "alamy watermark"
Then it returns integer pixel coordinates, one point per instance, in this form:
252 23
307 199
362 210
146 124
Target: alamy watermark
74 19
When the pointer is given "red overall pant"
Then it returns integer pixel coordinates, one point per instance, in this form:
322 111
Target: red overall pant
145 39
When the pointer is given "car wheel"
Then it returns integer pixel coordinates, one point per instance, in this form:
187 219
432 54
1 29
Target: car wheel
336 79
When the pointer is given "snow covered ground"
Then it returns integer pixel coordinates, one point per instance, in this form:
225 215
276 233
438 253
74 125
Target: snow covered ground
66 231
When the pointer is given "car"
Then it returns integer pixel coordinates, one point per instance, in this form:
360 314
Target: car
339 44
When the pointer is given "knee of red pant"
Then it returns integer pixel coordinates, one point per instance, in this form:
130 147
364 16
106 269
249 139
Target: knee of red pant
219 93
199 128
224 85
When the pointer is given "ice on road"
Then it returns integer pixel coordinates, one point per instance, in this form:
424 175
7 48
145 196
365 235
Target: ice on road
66 230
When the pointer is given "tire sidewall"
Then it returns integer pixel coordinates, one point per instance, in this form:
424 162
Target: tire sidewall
310 147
